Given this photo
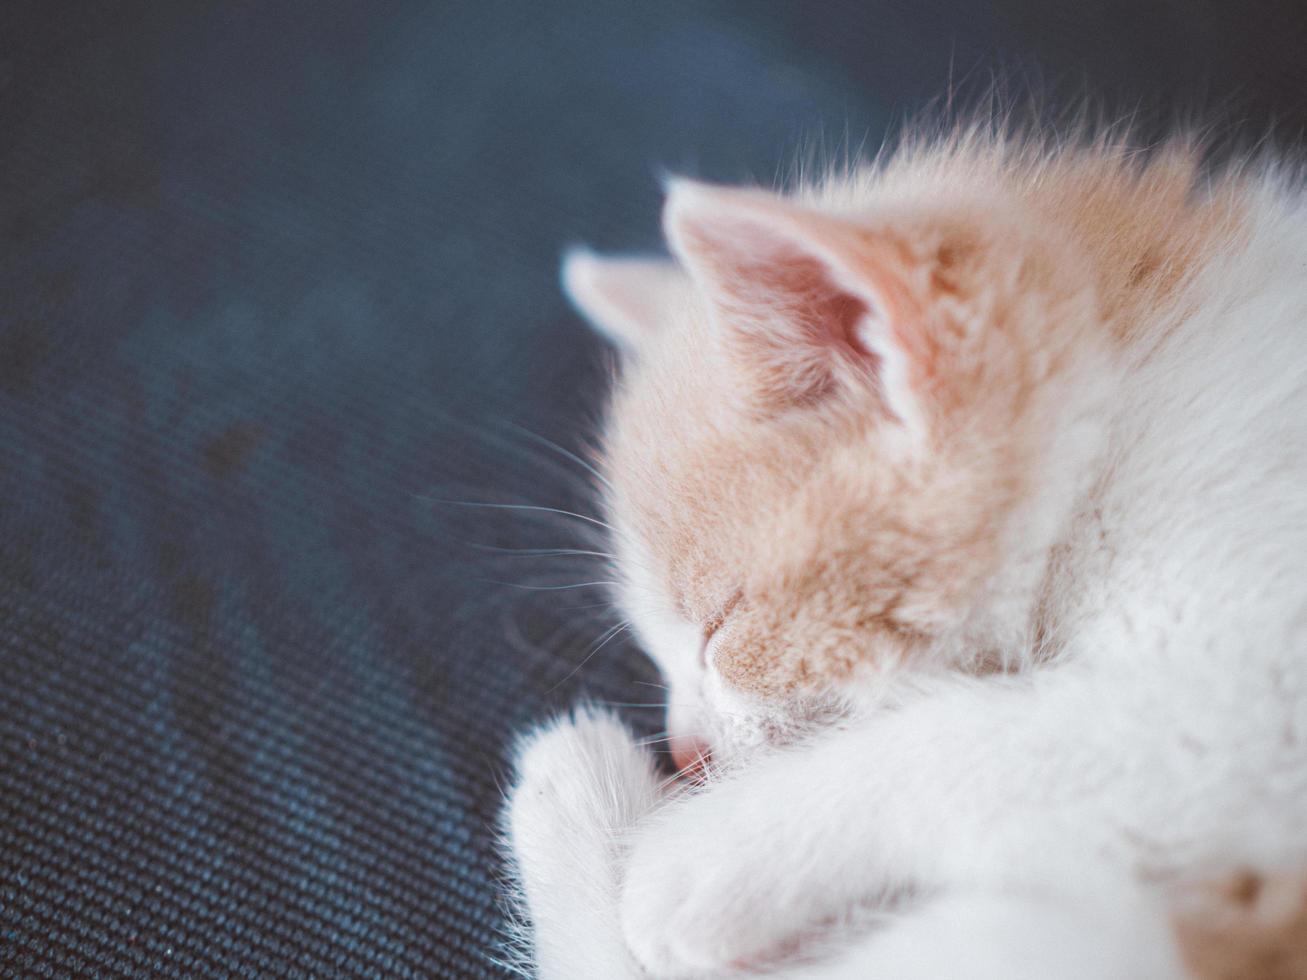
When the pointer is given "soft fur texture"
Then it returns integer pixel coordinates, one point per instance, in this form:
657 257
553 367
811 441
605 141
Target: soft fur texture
960 500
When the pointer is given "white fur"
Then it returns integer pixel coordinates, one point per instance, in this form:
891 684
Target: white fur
1167 743
583 784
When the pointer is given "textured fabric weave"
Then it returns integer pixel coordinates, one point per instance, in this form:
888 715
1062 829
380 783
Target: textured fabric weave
276 280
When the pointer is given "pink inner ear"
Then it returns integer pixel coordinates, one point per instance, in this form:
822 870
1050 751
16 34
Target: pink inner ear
834 320
791 322
805 301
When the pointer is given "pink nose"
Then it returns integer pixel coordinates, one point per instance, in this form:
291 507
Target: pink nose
691 756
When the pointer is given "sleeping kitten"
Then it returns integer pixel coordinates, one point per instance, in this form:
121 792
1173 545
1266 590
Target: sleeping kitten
962 502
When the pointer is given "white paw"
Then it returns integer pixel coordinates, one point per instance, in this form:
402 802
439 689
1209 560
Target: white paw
578 773
697 898
582 783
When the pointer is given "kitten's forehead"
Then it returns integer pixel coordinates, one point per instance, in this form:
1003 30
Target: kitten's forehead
722 499
696 480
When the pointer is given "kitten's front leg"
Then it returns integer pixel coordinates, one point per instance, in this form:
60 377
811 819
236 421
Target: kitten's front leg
738 872
1043 782
582 783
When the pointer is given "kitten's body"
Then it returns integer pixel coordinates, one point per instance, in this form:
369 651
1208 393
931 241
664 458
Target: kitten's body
1087 474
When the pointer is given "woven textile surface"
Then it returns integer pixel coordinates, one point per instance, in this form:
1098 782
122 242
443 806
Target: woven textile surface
277 284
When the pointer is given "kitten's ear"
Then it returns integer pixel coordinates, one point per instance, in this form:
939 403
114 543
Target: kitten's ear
806 301
625 298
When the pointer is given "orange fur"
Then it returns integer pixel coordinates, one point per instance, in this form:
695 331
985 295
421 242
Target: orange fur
1246 928
757 461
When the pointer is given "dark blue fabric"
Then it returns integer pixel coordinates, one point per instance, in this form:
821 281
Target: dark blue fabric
274 279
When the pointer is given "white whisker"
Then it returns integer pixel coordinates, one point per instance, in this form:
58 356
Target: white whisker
542 552
550 444
522 507
603 641
549 588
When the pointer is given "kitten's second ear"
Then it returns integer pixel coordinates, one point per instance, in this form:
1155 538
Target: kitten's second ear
624 298
805 301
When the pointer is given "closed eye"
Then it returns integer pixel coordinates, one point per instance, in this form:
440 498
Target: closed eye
710 628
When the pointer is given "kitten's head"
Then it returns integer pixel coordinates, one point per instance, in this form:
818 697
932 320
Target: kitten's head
821 448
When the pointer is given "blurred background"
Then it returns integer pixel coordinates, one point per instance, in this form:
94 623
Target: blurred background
279 278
